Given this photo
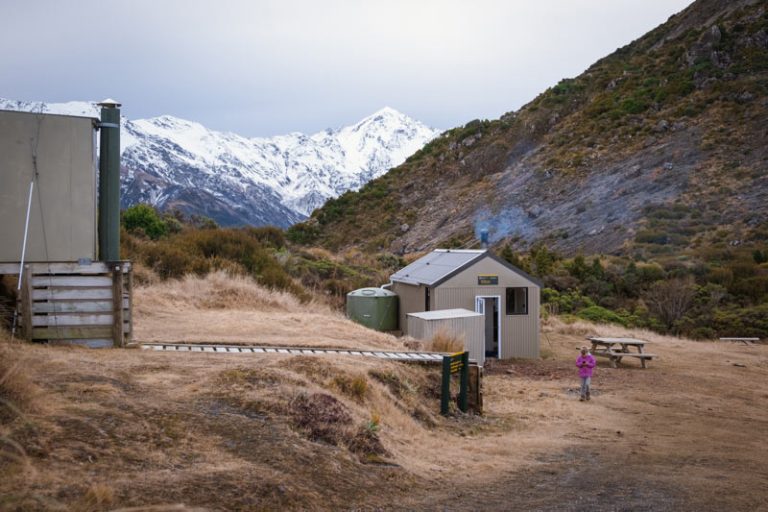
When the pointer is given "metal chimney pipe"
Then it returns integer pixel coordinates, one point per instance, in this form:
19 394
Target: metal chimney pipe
484 238
109 181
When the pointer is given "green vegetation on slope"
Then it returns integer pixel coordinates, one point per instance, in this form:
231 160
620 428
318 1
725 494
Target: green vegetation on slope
172 245
720 292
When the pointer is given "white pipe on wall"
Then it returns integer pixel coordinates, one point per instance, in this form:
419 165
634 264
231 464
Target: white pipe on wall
23 255
26 232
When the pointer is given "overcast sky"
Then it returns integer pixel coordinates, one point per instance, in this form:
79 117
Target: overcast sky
262 67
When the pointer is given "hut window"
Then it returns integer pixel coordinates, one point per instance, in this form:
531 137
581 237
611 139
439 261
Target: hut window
517 301
426 299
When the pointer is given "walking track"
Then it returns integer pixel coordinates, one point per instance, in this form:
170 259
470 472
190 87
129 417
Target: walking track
421 357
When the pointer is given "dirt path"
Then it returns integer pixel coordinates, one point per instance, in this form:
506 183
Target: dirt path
686 434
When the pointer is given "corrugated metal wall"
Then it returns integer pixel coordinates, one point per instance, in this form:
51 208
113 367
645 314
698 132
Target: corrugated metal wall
519 333
64 199
411 301
470 329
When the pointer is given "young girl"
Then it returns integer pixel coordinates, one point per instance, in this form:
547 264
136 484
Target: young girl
585 362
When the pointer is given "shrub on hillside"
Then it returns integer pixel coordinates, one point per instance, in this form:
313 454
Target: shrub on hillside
304 233
269 236
737 322
170 261
601 315
247 251
143 219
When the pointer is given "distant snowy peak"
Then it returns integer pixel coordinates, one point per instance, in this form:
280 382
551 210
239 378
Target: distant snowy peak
71 108
175 163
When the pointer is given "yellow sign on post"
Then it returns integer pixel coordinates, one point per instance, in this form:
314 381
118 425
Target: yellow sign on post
458 362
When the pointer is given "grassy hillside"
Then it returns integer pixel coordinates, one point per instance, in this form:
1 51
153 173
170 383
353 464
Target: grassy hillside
654 161
675 119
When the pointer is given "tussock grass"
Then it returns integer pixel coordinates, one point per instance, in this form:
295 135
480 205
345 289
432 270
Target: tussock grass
444 341
17 391
98 497
225 308
355 386
220 290
18 396
583 328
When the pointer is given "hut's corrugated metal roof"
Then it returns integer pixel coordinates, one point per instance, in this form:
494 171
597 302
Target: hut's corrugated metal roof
431 268
443 314
441 264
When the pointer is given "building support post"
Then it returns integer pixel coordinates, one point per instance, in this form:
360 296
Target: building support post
118 335
26 302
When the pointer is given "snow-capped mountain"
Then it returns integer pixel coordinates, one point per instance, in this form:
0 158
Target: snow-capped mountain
174 163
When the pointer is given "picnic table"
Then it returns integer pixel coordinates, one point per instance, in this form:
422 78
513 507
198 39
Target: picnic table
617 348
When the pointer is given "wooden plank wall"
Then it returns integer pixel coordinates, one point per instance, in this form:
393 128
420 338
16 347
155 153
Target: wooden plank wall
69 303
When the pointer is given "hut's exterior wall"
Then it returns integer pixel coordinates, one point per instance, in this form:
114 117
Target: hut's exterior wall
519 333
470 328
64 198
412 300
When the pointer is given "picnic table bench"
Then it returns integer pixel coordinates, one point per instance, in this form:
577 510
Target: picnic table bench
618 348
746 341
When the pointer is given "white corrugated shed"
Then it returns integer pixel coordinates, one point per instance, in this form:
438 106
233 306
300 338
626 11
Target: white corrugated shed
462 323
444 314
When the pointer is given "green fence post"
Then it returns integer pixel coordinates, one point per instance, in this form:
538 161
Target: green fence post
445 396
464 382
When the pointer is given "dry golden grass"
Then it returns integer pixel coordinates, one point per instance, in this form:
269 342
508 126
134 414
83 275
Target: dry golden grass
17 391
321 254
580 329
143 275
132 428
232 309
98 497
413 256
219 290
444 341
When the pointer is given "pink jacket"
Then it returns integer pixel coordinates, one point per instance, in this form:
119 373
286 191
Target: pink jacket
589 363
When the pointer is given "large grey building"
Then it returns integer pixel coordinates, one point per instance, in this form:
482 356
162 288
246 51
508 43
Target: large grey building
508 298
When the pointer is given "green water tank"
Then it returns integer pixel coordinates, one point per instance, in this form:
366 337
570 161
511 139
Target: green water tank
373 307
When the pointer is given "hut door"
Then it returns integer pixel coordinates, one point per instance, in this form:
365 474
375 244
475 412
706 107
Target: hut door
489 307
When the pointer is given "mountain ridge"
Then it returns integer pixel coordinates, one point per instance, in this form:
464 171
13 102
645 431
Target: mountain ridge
174 163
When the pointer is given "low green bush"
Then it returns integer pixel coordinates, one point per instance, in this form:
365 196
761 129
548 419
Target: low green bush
143 219
601 315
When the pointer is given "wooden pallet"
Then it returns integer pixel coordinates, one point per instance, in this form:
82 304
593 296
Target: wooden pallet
70 303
